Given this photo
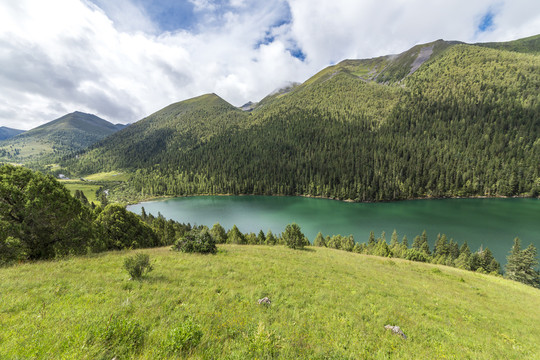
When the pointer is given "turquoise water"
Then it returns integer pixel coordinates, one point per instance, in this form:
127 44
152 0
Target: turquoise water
481 222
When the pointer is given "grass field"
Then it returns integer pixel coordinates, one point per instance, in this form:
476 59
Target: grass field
108 176
89 190
326 304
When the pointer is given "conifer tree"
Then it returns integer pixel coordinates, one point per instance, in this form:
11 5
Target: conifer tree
319 240
521 264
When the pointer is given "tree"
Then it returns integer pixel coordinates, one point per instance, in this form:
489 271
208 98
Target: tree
293 237
394 239
405 242
270 238
521 264
119 229
347 243
261 239
218 233
319 240
371 242
39 219
234 236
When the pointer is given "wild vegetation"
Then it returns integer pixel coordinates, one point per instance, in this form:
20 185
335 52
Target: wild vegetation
325 304
465 123
205 306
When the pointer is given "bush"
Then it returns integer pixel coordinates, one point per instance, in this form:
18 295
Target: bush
39 219
415 255
11 250
119 337
196 241
137 266
183 338
120 229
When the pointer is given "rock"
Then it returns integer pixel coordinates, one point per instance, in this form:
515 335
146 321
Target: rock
265 301
396 330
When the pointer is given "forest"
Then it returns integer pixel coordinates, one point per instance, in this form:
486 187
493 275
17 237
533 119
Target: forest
466 123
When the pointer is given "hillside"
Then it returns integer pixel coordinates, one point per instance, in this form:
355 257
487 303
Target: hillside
159 137
69 133
325 304
7 133
441 119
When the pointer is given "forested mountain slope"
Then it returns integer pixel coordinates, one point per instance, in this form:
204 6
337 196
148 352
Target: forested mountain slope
442 119
71 132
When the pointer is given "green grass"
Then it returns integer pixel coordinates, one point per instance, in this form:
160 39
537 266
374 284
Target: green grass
88 190
108 176
325 304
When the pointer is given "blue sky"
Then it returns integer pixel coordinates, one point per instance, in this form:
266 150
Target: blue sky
125 59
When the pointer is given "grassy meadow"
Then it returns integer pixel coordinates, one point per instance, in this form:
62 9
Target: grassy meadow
326 304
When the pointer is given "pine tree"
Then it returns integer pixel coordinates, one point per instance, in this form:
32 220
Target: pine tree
218 233
293 237
394 239
270 238
261 239
521 264
234 236
319 240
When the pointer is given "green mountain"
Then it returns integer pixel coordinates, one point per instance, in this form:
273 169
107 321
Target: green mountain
441 119
67 134
7 133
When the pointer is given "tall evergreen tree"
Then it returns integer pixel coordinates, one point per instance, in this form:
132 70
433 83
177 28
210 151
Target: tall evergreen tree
521 264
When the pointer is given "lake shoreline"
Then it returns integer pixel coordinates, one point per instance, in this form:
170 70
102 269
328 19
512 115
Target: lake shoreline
165 197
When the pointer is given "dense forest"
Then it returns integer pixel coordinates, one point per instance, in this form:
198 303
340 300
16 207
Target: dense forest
466 123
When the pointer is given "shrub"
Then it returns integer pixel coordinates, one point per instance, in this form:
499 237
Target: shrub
137 266
11 250
183 338
39 219
196 241
263 343
415 255
120 229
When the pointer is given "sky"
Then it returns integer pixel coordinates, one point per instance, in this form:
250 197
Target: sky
122 60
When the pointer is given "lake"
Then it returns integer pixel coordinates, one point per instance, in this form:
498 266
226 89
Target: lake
492 223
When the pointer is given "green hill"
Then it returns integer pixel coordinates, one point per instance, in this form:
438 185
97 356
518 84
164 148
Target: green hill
441 119
326 304
159 137
69 133
7 133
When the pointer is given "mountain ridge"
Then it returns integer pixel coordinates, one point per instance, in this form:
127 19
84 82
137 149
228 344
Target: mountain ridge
411 126
8 133
71 132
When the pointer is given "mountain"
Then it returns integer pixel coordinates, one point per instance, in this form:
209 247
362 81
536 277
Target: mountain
160 137
69 133
441 119
7 133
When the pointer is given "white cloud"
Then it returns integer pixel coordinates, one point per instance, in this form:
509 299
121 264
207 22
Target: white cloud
60 56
